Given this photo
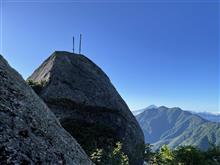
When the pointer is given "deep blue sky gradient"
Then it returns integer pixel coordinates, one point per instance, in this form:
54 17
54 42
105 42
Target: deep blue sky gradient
155 52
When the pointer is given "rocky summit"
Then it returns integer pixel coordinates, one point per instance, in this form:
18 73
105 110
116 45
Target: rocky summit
29 131
87 104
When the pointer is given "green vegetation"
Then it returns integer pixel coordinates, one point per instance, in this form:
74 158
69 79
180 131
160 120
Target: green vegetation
36 86
176 127
183 155
114 156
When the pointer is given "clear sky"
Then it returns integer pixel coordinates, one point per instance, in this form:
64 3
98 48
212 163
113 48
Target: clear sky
155 52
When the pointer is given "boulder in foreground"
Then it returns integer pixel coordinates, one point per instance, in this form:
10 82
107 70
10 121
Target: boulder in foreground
29 131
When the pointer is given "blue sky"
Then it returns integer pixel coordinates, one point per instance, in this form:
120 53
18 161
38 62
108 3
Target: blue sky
155 52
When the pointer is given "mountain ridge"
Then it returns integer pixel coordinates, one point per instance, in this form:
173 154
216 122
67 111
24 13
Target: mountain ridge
214 117
175 127
210 116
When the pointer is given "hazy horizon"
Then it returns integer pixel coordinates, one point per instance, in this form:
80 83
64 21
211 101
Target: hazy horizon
162 53
189 110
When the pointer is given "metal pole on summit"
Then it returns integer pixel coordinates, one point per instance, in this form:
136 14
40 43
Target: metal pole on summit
80 43
73 44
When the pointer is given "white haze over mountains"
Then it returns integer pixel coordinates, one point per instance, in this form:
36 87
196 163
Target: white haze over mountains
136 112
214 117
211 116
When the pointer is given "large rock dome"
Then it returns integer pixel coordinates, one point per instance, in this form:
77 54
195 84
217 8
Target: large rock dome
87 104
29 131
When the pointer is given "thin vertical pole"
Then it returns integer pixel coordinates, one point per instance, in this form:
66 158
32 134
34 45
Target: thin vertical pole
80 43
73 44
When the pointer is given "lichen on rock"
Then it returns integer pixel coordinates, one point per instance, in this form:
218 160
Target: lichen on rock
29 131
88 106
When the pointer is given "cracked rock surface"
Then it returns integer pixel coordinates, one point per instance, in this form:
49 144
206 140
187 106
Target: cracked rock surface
29 131
87 104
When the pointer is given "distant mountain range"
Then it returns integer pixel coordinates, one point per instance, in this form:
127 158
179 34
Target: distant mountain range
174 127
214 117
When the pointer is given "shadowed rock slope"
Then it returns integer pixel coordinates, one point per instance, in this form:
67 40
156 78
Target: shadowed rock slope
29 131
87 104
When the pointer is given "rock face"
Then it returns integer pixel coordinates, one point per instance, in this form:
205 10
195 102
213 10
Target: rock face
29 131
87 105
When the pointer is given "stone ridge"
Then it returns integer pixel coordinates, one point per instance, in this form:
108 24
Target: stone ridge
49 63
29 131
88 106
67 72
